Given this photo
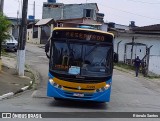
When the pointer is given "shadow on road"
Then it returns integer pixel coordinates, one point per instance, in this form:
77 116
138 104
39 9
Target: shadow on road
78 104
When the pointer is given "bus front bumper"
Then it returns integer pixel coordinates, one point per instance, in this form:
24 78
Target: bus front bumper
97 96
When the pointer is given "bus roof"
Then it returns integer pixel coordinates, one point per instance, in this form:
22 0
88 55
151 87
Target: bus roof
92 30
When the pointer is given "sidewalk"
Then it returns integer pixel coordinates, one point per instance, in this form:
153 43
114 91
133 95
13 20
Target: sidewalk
132 72
9 80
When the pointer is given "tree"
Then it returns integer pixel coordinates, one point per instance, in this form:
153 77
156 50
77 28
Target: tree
4 32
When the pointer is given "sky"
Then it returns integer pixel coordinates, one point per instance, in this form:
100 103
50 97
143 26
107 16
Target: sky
143 12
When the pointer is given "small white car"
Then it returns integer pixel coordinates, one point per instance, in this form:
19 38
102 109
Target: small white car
10 44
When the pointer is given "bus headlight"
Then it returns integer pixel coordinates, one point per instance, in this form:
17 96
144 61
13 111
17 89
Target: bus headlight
103 88
107 86
55 84
51 81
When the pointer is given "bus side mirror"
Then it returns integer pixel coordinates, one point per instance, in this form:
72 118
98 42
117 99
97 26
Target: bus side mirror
47 46
115 57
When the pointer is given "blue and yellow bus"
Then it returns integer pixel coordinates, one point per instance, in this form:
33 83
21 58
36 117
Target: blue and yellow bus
80 64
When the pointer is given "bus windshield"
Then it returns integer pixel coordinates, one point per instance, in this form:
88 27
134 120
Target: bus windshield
84 59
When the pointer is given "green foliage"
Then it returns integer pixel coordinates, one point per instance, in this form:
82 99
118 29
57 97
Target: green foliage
4 28
125 66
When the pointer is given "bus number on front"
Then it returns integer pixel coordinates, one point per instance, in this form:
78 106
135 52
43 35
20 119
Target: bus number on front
91 87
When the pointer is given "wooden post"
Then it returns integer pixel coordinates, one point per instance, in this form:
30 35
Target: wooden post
148 55
1 10
132 50
22 40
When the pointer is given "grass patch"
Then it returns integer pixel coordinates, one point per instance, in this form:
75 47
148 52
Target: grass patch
153 76
4 53
125 66
129 67
34 77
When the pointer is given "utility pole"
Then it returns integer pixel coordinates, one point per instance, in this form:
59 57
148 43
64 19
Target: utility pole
34 9
22 40
1 10
1 5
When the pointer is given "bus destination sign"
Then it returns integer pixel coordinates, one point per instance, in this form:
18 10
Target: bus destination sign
84 35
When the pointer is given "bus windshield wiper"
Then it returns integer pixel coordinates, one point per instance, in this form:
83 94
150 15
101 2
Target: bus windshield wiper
92 50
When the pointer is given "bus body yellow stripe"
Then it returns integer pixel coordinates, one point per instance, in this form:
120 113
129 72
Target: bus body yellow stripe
82 85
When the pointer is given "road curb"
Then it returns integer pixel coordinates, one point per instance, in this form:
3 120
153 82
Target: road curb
11 94
34 81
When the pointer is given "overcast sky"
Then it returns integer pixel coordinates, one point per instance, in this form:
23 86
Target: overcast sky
143 12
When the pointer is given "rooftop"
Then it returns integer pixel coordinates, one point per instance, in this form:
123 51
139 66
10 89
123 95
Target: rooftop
155 27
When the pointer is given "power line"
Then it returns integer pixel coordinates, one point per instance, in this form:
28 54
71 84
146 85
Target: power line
29 3
131 13
144 2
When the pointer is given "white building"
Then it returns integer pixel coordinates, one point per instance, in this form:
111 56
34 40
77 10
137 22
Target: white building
38 33
142 41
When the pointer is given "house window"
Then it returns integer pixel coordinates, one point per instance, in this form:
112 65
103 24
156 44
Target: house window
88 13
35 32
28 35
51 6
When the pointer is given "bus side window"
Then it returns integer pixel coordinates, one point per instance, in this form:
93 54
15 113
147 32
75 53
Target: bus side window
47 47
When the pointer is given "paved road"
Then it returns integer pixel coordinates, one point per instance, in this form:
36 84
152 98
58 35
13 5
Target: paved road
129 94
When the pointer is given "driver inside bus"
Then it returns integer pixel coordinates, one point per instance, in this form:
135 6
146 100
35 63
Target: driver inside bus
65 59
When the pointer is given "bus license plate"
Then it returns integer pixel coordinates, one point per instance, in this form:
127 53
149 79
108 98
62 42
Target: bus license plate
78 95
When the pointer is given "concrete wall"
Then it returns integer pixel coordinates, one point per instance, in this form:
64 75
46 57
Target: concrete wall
89 21
10 30
74 21
44 33
121 46
68 11
69 25
29 35
104 27
30 38
154 62
77 10
123 27
55 13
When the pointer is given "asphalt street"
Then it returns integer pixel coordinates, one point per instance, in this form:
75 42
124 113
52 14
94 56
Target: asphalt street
129 94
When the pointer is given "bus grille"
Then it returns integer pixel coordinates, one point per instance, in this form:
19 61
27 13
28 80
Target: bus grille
71 94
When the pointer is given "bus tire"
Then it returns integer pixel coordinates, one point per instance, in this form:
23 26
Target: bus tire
57 98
